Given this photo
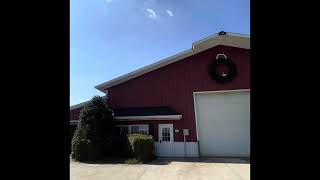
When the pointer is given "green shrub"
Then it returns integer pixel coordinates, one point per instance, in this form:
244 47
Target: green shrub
121 147
132 161
141 146
85 151
92 139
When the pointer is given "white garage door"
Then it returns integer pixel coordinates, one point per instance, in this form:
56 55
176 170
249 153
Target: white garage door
223 123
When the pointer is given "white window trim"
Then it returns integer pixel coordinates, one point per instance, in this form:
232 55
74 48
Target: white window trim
129 127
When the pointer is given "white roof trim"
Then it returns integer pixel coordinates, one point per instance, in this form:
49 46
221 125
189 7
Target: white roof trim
157 117
230 39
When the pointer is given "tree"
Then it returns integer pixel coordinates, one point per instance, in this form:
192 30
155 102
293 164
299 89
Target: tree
92 139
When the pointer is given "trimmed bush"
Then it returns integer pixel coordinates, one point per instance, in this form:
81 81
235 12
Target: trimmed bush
92 139
141 147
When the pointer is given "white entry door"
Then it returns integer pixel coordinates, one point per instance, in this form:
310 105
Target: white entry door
165 143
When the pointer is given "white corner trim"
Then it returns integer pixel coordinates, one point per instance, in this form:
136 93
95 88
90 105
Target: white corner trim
195 114
230 39
160 117
72 122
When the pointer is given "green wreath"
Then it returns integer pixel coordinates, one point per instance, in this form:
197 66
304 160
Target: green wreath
224 77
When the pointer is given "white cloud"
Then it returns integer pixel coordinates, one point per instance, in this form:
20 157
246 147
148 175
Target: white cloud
108 0
152 13
169 12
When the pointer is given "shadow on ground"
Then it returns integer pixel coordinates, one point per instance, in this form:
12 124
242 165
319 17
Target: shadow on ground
166 161
109 160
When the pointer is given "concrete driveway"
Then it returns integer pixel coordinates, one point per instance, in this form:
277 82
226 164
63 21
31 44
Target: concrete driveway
168 169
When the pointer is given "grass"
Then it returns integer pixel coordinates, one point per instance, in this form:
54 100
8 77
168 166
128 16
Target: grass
132 161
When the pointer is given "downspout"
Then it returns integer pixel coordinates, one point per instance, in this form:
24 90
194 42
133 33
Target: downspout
185 133
184 144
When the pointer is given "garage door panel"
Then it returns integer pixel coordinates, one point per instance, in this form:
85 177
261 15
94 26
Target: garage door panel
223 121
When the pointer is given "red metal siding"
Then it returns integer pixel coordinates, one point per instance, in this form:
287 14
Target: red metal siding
173 86
75 113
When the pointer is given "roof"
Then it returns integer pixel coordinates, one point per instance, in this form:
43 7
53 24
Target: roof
76 106
144 111
226 39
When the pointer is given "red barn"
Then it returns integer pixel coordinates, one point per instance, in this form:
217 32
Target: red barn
195 103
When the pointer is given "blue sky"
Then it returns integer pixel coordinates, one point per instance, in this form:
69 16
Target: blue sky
109 38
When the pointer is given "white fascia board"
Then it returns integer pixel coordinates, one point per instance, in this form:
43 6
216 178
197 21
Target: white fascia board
144 70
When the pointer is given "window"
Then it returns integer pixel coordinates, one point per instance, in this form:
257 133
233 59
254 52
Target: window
165 134
124 130
143 129
134 129
130 129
